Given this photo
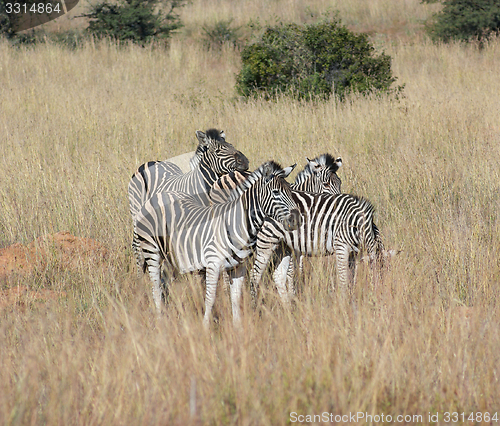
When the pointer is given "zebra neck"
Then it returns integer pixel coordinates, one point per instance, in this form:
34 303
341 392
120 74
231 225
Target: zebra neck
209 176
307 184
254 214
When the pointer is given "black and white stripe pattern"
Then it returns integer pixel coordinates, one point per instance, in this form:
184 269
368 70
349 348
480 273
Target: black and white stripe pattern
214 157
175 227
340 225
155 176
319 176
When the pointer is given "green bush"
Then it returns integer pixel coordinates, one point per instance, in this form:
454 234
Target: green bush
465 20
220 34
312 61
139 21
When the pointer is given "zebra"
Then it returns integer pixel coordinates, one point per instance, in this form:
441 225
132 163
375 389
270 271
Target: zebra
340 225
152 175
318 176
214 157
189 236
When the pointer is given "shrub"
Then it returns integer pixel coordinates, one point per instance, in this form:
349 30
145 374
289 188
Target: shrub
139 21
220 34
315 60
465 20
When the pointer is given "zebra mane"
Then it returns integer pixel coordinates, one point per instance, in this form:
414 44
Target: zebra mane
326 160
265 170
213 134
216 135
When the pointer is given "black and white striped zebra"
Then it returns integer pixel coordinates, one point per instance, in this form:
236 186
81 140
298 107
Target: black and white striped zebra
318 176
175 227
214 157
340 225
153 175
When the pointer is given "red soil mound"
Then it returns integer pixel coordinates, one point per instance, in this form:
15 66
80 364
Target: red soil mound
63 247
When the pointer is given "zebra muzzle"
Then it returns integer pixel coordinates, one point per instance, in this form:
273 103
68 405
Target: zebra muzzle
293 221
242 162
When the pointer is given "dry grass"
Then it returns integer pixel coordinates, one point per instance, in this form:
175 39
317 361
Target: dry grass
388 18
74 126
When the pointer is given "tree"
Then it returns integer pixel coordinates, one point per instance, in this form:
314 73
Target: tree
465 20
139 21
315 60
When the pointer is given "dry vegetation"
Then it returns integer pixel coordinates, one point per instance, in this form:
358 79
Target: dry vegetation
74 125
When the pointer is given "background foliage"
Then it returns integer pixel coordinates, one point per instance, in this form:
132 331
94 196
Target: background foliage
466 20
139 21
313 60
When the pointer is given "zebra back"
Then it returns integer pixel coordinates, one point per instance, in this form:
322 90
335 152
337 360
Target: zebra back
146 179
332 224
218 158
222 188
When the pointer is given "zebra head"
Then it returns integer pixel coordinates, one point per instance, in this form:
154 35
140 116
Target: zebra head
217 154
276 196
320 175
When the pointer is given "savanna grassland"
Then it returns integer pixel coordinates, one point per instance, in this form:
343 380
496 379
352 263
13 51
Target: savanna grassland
75 124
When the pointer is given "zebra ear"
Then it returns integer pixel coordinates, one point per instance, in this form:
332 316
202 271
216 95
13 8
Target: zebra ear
287 170
338 162
313 165
202 138
222 134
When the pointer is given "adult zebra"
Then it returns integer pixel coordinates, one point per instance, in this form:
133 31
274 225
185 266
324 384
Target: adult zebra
318 176
214 157
340 225
151 176
189 236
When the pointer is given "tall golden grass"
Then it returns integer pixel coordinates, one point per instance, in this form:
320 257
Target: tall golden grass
74 125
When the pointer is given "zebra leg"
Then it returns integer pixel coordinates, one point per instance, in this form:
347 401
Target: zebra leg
290 279
226 280
280 277
290 275
237 282
263 254
154 271
139 255
212 276
342 254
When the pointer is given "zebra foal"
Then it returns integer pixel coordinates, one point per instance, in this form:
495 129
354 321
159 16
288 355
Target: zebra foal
340 225
176 227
